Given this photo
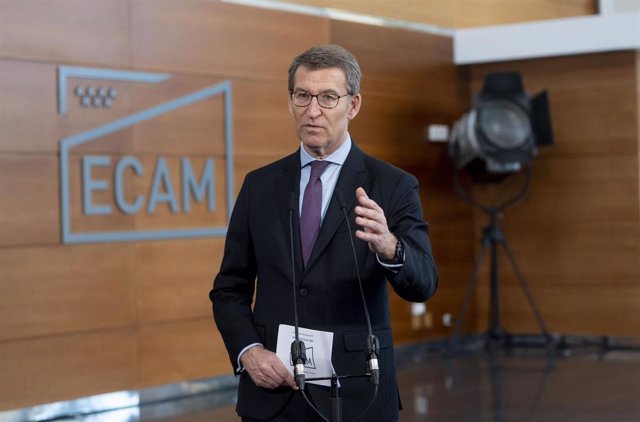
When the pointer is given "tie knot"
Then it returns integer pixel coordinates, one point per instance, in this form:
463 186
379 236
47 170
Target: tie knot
318 167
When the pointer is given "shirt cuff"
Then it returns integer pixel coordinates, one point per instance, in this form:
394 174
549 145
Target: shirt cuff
240 368
390 266
395 268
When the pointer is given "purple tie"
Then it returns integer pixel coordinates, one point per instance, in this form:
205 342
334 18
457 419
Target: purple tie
311 209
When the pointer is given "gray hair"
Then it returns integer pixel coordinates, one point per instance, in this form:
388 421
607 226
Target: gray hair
326 57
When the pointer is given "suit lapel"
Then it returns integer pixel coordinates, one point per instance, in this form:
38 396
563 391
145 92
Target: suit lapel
352 176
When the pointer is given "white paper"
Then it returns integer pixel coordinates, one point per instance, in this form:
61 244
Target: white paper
318 346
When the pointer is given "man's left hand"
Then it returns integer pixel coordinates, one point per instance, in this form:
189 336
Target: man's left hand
375 231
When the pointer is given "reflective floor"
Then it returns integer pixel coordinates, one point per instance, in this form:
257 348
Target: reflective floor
518 386
521 385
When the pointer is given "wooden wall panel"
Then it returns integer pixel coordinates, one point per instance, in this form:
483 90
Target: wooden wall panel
20 83
74 31
589 188
212 37
29 208
570 253
53 368
197 128
452 240
65 289
262 124
440 202
181 350
244 165
409 330
175 278
403 120
582 310
453 247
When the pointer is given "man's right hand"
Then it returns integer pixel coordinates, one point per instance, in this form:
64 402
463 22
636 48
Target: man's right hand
266 369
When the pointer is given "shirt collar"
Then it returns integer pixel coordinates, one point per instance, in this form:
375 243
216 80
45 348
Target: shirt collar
338 156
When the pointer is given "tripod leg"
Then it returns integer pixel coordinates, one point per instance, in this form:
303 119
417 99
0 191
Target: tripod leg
525 289
467 299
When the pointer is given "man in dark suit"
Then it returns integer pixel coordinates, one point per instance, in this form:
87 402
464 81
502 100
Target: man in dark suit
391 244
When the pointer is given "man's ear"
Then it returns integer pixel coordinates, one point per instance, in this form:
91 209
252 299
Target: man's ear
354 106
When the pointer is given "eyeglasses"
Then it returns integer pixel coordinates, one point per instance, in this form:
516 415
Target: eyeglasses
325 100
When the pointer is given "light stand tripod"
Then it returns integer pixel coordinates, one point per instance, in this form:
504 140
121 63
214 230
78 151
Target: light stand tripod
492 236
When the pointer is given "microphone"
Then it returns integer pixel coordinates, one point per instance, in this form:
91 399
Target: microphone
299 357
373 348
298 349
373 345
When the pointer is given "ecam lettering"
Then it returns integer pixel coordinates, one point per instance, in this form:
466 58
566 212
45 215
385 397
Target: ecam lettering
161 190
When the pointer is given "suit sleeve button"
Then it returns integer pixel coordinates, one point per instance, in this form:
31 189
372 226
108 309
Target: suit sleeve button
303 292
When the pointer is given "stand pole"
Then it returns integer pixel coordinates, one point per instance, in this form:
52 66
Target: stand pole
493 237
495 331
336 401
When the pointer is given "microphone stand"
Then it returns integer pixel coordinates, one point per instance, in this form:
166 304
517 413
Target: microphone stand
373 348
336 400
298 349
373 374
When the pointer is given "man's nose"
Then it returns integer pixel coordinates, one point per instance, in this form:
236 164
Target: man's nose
314 108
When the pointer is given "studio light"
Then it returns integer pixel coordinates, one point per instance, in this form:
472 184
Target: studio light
499 136
503 129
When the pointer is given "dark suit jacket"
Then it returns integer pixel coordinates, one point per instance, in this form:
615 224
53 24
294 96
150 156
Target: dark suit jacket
257 259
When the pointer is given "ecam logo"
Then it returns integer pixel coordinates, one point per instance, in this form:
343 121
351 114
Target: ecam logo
120 191
161 190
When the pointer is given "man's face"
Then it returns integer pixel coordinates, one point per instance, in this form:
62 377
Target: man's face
323 130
